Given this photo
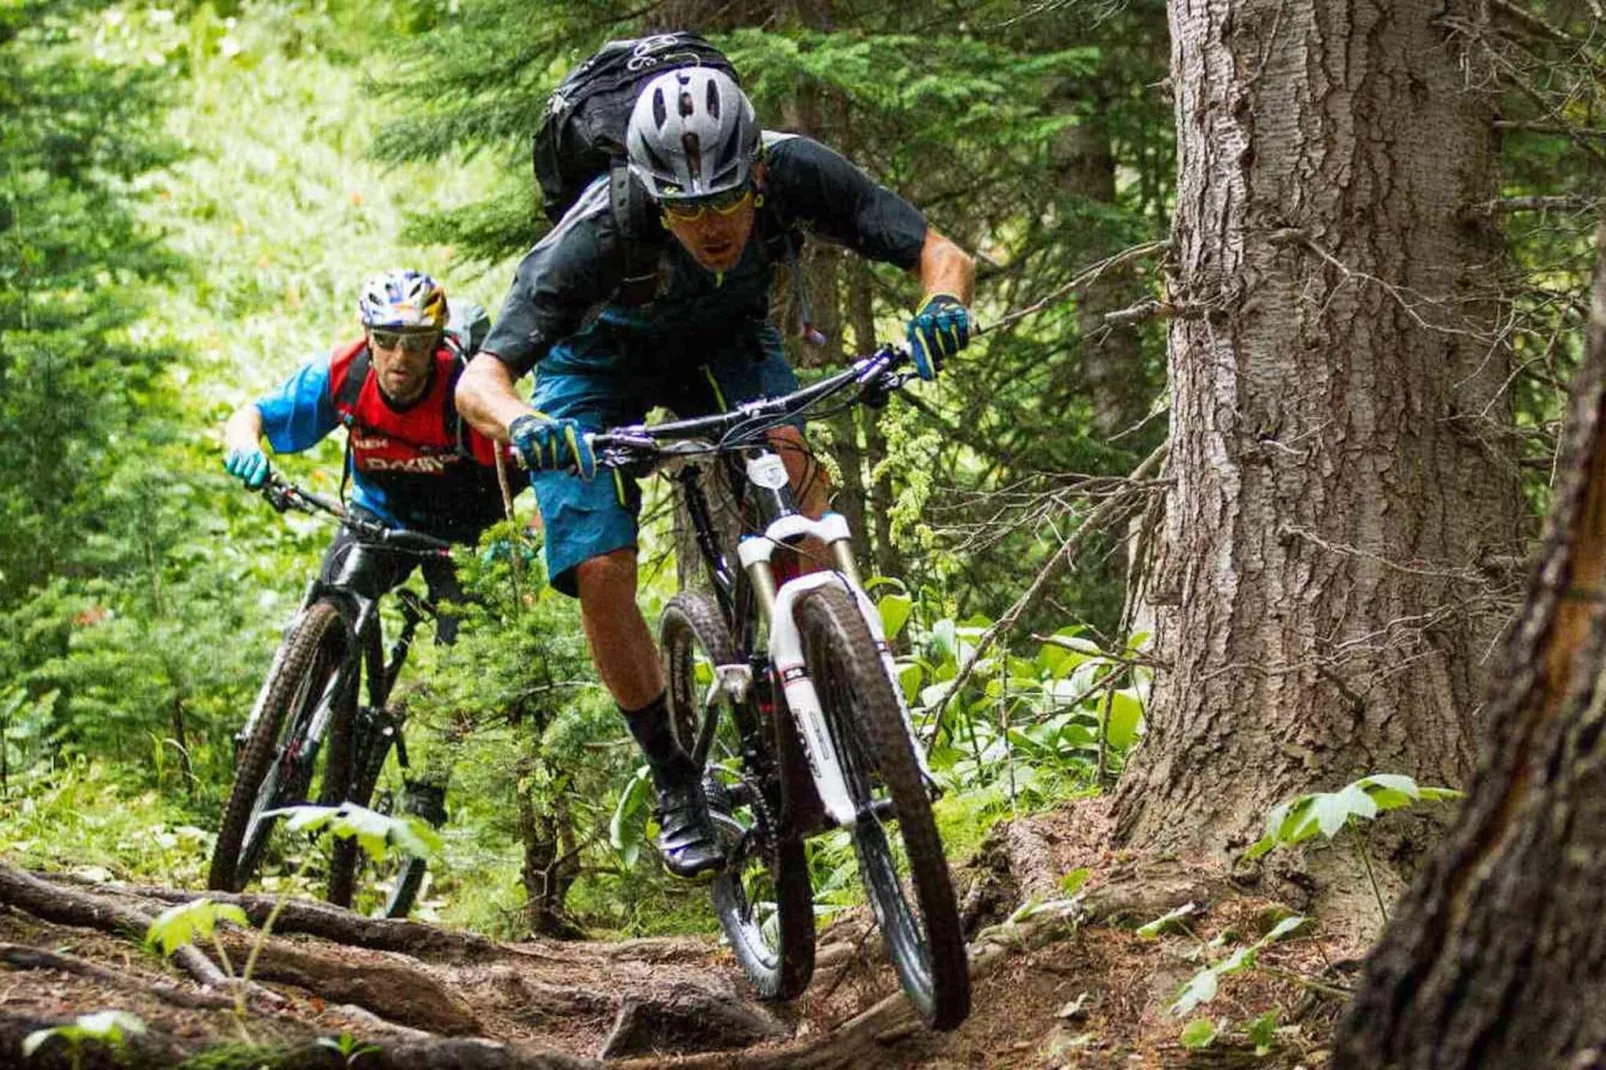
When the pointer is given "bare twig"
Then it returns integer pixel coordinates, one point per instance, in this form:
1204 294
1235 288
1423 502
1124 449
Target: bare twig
1094 521
1084 279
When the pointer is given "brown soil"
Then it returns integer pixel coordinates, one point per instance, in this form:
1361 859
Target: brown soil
1088 995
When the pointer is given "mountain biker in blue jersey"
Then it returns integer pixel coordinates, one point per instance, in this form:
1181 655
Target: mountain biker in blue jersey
412 461
734 201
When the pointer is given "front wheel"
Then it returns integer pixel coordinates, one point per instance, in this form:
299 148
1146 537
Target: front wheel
878 761
275 765
763 898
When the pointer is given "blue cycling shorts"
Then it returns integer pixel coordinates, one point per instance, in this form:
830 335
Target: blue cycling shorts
603 385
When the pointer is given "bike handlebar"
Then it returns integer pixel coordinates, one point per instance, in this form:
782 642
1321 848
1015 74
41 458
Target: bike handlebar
635 444
284 495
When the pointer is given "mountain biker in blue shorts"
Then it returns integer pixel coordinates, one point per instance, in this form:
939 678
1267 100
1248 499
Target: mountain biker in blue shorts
733 201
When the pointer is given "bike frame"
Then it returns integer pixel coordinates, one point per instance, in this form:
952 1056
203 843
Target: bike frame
365 660
751 597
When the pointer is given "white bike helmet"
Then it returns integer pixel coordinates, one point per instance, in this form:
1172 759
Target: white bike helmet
692 133
402 300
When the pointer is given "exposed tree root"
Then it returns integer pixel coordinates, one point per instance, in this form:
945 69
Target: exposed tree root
22 957
392 988
72 906
661 1024
157 1047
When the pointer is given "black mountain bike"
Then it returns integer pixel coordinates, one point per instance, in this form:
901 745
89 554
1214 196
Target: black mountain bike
308 708
783 690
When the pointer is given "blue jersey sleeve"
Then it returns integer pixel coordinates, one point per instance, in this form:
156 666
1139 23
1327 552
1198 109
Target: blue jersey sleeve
301 412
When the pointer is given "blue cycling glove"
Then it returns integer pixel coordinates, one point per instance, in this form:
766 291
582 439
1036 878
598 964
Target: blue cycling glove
939 330
544 444
248 466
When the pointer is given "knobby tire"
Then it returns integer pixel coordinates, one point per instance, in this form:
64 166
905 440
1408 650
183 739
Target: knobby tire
867 725
777 958
312 655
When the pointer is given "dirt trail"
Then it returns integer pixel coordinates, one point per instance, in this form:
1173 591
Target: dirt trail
1057 986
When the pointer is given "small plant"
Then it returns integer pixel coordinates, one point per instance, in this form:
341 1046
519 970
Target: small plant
376 834
111 1028
1330 812
348 1047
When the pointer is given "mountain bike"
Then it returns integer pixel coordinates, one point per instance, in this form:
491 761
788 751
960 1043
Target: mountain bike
783 690
308 707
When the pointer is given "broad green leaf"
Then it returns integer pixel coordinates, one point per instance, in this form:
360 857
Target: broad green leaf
1284 928
624 833
110 1025
1072 882
1262 1031
1201 989
1441 794
185 923
909 682
895 610
1198 1034
1126 714
1392 782
1332 812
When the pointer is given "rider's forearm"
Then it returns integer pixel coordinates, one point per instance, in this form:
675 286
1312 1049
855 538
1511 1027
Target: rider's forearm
945 268
486 398
243 431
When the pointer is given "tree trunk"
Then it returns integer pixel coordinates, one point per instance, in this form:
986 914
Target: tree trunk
1336 419
1495 958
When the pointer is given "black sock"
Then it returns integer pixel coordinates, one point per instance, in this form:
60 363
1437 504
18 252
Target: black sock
650 727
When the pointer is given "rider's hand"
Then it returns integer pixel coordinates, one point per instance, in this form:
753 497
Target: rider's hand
545 443
249 466
939 330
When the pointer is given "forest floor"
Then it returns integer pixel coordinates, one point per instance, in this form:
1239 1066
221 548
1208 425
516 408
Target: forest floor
1059 982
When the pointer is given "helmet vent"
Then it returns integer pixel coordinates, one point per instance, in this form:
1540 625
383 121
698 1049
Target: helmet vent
688 107
713 99
660 111
694 154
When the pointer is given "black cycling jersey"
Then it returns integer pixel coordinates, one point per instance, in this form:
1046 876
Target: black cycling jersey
575 271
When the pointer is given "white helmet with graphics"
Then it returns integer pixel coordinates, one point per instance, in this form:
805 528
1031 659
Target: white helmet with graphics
692 134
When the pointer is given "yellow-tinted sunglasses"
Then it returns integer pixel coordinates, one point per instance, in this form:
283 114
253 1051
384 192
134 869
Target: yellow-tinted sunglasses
694 208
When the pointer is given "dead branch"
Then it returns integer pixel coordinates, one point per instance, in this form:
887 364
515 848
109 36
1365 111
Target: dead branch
1564 129
1094 521
1086 278
1543 204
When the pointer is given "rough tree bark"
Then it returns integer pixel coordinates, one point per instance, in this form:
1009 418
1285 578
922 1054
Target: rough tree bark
1495 958
1337 407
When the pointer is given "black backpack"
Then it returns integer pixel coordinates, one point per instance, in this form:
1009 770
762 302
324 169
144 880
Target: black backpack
582 132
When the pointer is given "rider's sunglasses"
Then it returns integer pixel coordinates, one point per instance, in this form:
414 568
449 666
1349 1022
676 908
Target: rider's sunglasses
694 208
414 343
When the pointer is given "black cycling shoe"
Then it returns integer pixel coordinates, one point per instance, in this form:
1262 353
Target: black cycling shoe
687 841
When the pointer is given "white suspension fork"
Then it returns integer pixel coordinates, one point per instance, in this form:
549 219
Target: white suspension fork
786 647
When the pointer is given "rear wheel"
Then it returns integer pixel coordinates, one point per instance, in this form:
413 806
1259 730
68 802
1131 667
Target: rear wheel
275 764
927 946
763 898
399 876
